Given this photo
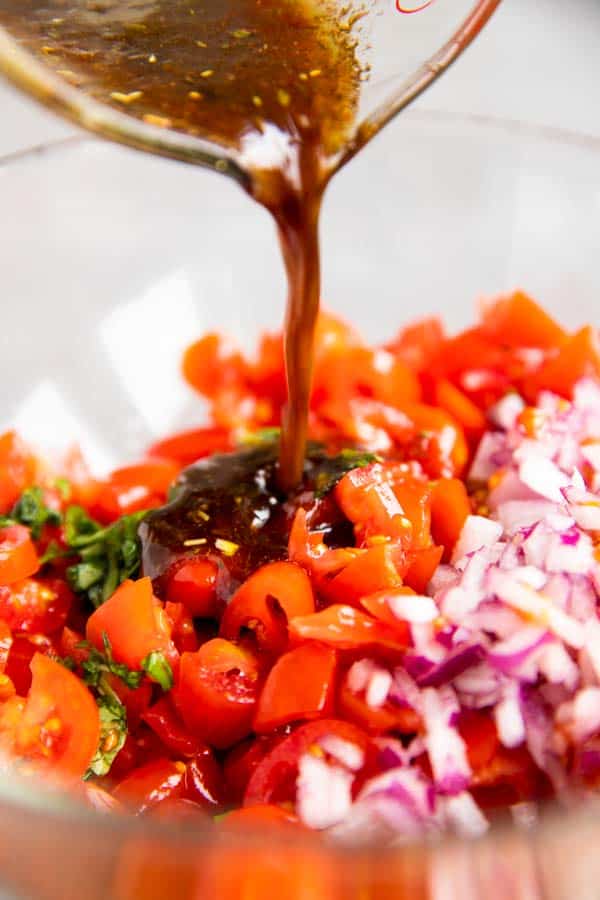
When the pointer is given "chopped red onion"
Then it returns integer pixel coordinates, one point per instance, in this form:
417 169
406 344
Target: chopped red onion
477 532
324 792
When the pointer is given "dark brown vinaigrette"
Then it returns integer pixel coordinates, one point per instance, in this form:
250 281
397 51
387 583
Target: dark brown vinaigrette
276 81
229 508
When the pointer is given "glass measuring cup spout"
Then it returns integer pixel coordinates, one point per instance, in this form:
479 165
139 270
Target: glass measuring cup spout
398 57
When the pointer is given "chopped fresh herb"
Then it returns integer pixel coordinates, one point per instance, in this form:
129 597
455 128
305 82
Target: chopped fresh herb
98 664
63 486
67 661
107 556
333 469
158 669
31 510
113 729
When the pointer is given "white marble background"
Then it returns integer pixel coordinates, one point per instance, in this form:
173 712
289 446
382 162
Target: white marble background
537 61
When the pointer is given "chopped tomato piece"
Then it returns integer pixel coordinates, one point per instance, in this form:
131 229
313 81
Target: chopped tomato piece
417 345
189 446
450 507
478 731
460 407
299 686
345 628
203 780
241 762
6 641
133 488
518 321
217 692
265 602
274 778
18 557
375 569
209 368
151 784
423 564
193 583
60 725
17 470
22 650
164 721
36 606
376 720
578 356
377 606
135 624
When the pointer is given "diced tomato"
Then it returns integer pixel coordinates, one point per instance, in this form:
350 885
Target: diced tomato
165 722
345 628
178 809
217 692
203 780
377 606
422 566
184 634
126 759
518 321
375 569
578 356
417 345
133 488
60 725
300 686
39 606
439 443
18 557
193 583
376 720
6 641
189 446
17 470
450 507
23 649
151 784
478 731
135 700
265 602
274 778
209 368
135 623
242 760
460 407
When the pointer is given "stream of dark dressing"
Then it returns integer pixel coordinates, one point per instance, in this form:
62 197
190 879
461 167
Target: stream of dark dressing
276 81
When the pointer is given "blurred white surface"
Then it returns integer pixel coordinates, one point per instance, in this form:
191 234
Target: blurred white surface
537 61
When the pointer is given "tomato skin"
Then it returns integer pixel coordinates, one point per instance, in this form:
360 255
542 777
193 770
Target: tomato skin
188 446
373 570
265 603
178 809
39 606
135 623
422 566
478 731
450 507
162 718
241 762
346 628
193 583
274 778
22 650
17 470
217 692
389 717
203 780
60 726
300 685
147 786
518 321
18 556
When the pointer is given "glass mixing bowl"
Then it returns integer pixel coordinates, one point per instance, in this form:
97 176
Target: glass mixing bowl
111 263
